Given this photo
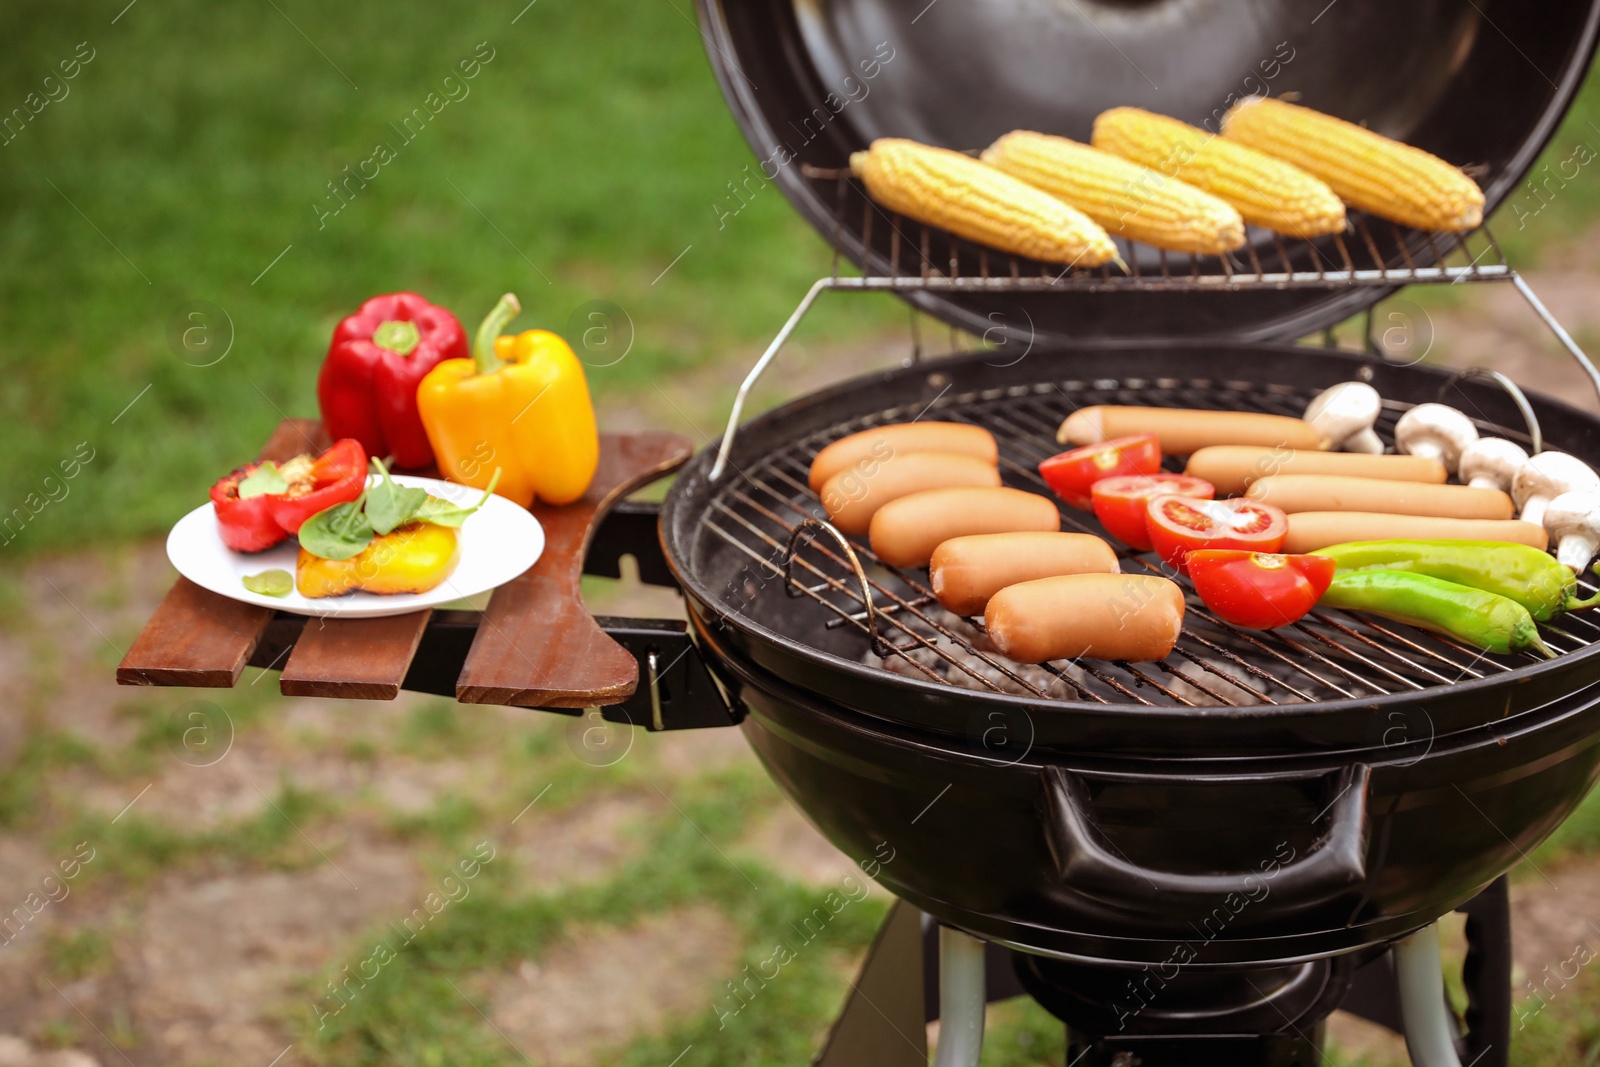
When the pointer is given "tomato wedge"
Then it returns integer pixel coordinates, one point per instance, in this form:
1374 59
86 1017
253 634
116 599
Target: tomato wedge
1072 473
1120 502
1259 590
1180 525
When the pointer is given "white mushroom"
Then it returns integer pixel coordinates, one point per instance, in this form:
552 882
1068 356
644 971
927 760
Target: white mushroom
1491 463
1343 414
1573 522
1435 431
1545 477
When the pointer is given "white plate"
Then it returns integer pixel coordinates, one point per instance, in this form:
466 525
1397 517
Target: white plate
498 542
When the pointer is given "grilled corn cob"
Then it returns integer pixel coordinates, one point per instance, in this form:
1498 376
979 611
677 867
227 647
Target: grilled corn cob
1389 179
1126 198
1266 191
973 200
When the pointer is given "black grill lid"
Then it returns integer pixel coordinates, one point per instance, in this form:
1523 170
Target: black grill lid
1482 83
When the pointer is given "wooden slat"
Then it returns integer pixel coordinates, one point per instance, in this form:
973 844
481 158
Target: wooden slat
353 659
537 646
195 637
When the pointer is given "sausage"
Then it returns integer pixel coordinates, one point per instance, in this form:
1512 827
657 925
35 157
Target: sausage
1103 616
905 532
1184 431
1334 492
966 571
853 496
865 450
1231 468
1311 530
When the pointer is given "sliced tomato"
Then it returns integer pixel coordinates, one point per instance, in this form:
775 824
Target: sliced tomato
1259 590
1180 525
1120 502
1072 473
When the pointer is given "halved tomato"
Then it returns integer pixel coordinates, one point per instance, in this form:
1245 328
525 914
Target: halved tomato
1180 525
1072 473
1120 502
1259 590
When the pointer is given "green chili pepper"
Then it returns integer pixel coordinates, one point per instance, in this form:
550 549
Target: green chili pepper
1530 577
1486 620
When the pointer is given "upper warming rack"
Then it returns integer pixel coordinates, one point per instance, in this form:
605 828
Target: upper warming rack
1372 252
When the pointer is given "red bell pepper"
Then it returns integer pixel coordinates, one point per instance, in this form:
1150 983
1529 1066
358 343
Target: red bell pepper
260 505
368 386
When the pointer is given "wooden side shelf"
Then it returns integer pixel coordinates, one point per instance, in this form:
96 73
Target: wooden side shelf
535 645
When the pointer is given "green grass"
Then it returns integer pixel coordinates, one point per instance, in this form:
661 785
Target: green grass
78 953
1562 1032
415 1010
140 848
22 784
197 141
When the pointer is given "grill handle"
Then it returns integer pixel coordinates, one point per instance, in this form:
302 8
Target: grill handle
1090 864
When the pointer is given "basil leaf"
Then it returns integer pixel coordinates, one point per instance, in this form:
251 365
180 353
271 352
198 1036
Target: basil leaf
270 583
263 480
390 504
442 512
339 532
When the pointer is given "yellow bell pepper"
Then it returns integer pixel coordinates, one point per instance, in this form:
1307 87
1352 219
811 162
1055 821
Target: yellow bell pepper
521 404
414 558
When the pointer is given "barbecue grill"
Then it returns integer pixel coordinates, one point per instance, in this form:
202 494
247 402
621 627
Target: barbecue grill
1189 861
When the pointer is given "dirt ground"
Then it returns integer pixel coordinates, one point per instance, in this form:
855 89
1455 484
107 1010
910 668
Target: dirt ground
193 962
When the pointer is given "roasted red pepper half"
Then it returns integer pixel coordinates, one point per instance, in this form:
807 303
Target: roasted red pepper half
1259 590
246 523
368 385
261 504
1072 473
336 476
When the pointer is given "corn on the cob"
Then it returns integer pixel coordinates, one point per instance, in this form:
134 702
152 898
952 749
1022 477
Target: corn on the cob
1382 176
1126 198
973 200
1268 192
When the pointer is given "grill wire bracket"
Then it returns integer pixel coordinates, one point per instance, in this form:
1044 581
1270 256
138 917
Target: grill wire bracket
1417 257
793 588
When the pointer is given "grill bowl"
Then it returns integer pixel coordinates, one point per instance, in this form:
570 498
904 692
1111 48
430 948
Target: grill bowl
1416 797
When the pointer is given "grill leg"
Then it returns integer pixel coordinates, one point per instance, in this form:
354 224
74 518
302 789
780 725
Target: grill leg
1486 973
1430 1031
1487 976
961 999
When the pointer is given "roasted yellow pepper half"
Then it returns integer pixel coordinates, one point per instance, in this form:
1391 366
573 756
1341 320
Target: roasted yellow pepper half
520 404
414 558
